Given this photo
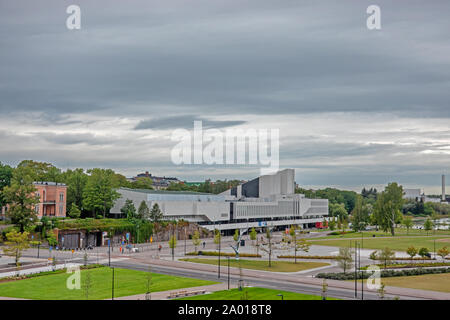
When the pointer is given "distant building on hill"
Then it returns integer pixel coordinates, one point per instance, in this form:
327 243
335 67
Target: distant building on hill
159 183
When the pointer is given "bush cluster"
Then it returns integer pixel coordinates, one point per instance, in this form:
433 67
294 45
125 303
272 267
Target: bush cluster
307 257
383 274
225 254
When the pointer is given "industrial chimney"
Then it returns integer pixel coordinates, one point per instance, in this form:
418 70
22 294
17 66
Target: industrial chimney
443 188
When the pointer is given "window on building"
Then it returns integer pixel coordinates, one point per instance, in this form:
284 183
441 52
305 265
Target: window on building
61 210
36 209
61 197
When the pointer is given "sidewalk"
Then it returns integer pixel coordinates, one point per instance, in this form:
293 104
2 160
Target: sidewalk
163 295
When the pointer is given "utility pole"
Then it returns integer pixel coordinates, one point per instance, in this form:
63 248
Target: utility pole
109 252
112 286
173 243
356 273
220 241
228 273
184 240
361 273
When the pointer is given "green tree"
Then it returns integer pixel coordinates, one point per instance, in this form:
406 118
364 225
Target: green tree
344 258
196 239
297 244
388 206
253 237
156 214
42 171
443 252
74 211
236 235
76 181
149 278
360 215
268 249
142 183
173 244
87 283
338 210
143 211
6 173
99 193
424 252
412 252
428 225
20 196
408 223
15 243
332 224
386 255
217 237
128 209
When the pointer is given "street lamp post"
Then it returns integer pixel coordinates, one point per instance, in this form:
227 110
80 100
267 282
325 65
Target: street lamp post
184 240
112 286
220 240
109 252
173 243
361 273
356 273
228 273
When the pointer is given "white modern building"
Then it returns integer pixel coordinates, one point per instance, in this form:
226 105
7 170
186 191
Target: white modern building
267 201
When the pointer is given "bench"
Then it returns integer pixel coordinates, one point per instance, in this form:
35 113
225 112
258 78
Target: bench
185 293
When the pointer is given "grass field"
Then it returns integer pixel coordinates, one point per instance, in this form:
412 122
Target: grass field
396 243
255 294
127 282
398 232
433 282
277 266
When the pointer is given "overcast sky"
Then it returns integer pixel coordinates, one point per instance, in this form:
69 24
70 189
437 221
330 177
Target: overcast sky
354 107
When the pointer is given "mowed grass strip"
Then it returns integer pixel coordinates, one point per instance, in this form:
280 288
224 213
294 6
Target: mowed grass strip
277 266
395 243
399 232
255 293
127 282
434 282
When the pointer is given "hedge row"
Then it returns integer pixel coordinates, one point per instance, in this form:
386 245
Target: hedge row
335 257
225 254
412 265
383 274
307 257
46 273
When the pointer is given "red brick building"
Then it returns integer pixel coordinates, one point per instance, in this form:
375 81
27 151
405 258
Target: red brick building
52 198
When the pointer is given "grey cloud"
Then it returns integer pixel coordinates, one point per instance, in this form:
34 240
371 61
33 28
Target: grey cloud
184 121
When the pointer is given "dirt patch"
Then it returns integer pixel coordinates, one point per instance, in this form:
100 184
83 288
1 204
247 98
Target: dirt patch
443 240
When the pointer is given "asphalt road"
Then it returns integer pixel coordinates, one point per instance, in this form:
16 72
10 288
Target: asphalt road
256 282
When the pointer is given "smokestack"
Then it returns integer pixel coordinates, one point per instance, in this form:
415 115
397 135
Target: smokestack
443 188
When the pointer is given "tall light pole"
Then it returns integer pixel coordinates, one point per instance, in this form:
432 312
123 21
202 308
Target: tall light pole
220 240
109 252
112 285
356 274
228 273
185 240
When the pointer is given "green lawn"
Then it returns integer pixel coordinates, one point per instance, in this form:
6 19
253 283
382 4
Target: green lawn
127 282
398 232
433 282
277 266
396 243
255 294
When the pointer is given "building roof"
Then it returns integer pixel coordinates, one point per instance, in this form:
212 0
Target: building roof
165 191
49 183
